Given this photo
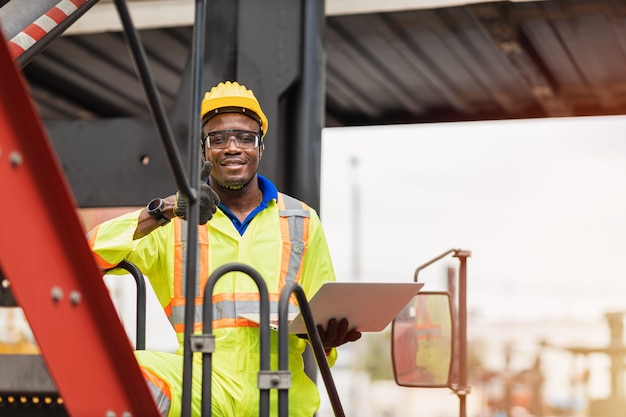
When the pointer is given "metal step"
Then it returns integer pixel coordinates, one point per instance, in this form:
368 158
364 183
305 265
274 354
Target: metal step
26 388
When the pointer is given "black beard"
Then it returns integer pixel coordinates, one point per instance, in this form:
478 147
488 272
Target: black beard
232 187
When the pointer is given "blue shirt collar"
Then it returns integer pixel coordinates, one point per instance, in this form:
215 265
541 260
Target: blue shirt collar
269 191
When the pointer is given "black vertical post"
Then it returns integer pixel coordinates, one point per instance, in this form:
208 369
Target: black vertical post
306 166
310 105
193 209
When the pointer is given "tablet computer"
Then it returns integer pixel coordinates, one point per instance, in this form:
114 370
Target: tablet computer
368 306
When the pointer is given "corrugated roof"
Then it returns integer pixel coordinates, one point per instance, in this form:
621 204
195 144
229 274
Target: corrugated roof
476 62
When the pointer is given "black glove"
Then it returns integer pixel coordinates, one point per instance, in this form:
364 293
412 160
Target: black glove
208 198
337 333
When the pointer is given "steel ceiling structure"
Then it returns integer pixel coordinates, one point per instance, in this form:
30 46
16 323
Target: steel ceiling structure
477 62
492 60
480 61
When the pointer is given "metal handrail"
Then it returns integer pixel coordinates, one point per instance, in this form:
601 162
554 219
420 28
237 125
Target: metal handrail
205 343
316 342
208 339
140 335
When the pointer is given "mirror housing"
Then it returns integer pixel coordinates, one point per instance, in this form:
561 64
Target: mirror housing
423 339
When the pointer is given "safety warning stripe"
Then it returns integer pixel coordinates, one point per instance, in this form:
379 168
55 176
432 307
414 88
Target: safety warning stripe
42 26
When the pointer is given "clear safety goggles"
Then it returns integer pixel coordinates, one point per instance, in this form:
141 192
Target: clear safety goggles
220 139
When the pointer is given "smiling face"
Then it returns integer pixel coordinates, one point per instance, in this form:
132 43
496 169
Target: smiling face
233 167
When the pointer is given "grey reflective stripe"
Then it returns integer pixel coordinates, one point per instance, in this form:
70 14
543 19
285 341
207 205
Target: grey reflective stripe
225 310
163 403
295 215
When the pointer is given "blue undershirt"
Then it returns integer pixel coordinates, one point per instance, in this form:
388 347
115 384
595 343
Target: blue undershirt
270 192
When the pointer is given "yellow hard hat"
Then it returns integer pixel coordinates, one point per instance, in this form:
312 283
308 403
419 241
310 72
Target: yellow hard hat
232 97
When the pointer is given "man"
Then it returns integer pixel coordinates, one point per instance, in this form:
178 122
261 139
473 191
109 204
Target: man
243 219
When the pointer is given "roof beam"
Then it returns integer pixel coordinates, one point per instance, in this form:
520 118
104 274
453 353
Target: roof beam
494 18
340 7
150 14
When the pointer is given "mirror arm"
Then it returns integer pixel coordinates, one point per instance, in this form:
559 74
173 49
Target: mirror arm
461 388
432 261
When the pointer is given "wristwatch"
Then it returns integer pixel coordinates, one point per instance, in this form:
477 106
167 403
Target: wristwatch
155 208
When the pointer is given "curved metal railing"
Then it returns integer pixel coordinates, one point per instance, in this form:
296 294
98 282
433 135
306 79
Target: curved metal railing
140 335
316 342
268 379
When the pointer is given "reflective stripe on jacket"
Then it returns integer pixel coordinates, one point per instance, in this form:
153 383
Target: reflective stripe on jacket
294 227
283 242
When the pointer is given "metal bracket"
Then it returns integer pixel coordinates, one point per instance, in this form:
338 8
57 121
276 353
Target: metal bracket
274 379
204 343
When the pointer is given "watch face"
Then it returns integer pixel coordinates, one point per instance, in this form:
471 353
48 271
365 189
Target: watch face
155 205
154 208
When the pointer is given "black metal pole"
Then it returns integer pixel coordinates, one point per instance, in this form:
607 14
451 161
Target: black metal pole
306 181
310 105
314 337
187 188
283 344
155 104
193 210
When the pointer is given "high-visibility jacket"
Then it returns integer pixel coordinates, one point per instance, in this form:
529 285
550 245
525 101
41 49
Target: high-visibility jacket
284 242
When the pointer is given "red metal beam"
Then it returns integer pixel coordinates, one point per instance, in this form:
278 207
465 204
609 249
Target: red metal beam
44 254
42 26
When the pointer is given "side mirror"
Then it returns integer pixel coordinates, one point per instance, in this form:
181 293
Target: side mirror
423 340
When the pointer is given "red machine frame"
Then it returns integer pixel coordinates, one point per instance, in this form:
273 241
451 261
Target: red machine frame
44 254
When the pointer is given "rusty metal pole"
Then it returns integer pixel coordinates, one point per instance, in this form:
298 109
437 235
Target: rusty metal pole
462 390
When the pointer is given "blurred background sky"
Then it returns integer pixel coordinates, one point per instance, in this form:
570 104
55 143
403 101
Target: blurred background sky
541 204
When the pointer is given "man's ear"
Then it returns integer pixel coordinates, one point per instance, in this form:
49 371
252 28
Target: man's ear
203 151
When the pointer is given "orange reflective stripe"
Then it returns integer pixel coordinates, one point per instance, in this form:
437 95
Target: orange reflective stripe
218 324
179 253
240 296
180 302
203 268
157 382
294 229
91 239
101 262
238 322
